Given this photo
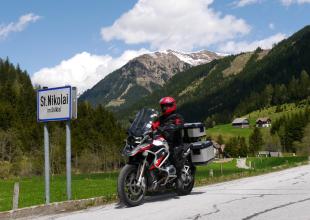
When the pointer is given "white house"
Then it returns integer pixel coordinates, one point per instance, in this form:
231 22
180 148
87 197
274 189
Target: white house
263 122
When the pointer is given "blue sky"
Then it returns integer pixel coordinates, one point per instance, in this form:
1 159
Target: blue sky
80 42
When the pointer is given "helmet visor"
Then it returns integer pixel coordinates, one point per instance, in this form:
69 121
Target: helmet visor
165 107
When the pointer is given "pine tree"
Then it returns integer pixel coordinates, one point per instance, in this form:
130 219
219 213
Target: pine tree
231 147
303 147
255 141
304 84
243 148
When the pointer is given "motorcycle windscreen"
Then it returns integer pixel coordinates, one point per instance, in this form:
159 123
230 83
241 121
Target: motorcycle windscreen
143 122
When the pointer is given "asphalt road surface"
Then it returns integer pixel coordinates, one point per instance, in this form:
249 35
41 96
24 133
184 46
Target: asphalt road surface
279 195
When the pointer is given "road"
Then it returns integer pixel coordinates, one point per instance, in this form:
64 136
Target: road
278 195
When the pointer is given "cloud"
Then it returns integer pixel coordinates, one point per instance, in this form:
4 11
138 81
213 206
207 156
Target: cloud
289 2
237 47
83 70
184 25
242 3
19 26
271 26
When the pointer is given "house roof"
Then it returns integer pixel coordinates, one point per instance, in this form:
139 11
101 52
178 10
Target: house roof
265 119
263 152
240 121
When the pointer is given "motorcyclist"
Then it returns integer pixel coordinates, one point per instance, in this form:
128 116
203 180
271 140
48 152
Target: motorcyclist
170 125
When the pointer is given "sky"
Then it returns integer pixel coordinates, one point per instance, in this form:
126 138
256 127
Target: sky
78 43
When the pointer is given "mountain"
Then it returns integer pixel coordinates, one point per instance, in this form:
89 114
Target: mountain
238 84
142 75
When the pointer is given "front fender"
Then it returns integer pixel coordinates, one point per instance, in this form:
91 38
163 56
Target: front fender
136 160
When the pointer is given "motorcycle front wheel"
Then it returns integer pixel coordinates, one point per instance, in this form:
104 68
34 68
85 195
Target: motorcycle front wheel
129 192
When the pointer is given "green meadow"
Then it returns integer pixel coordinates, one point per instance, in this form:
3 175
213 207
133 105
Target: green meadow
104 184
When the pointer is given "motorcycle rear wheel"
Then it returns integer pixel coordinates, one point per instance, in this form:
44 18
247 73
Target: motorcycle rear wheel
129 192
185 183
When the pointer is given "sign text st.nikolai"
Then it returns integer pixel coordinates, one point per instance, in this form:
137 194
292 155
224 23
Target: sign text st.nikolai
57 104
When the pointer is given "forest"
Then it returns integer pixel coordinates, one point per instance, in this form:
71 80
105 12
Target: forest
96 135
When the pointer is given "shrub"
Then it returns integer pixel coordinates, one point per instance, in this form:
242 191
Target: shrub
89 162
23 167
5 169
37 160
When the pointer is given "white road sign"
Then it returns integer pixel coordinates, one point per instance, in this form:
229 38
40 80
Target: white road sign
56 104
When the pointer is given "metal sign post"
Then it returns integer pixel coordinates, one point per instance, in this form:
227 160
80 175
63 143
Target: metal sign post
46 164
68 159
57 104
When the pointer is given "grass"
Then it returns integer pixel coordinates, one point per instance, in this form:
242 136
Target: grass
228 168
263 163
32 189
227 130
272 114
258 163
104 184
237 64
260 166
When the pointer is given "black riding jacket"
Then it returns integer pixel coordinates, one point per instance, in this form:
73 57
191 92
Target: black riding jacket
171 128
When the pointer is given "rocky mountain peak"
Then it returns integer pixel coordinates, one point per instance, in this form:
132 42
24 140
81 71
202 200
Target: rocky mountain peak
141 75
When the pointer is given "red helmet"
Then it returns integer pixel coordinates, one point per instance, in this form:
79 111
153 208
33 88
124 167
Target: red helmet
168 105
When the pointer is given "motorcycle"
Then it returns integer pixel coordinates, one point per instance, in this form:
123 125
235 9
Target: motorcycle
148 167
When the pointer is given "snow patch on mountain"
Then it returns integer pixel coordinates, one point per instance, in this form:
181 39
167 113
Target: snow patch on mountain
192 58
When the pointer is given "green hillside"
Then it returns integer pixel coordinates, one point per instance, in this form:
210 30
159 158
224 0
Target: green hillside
239 84
227 131
114 86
